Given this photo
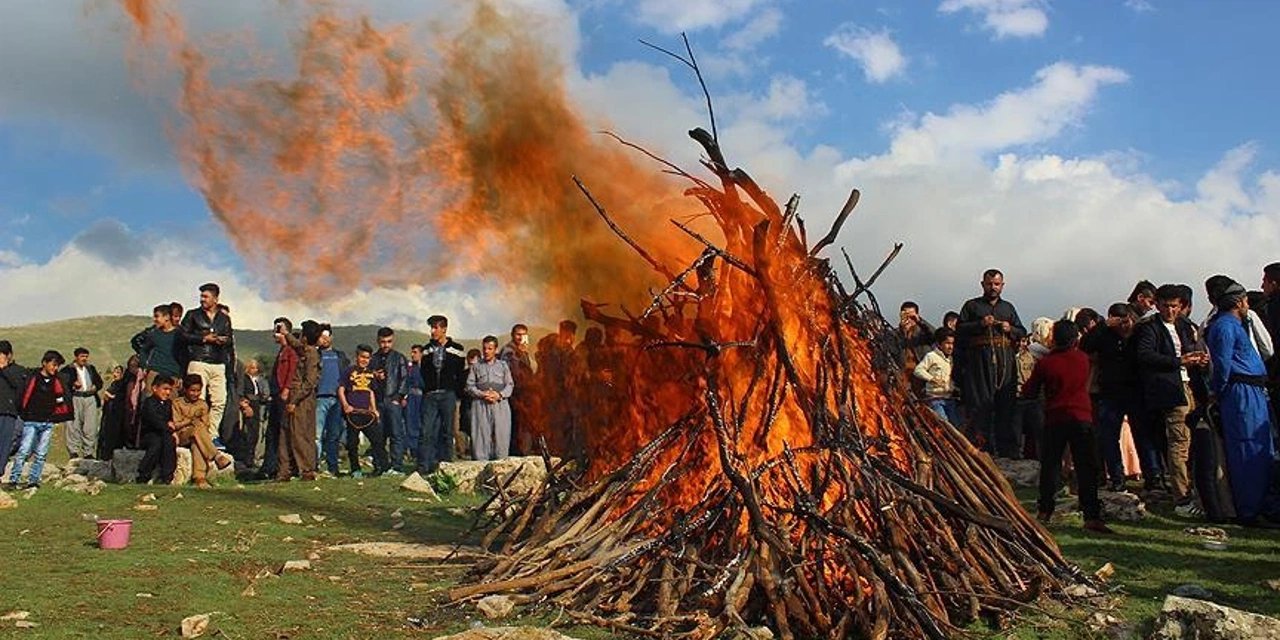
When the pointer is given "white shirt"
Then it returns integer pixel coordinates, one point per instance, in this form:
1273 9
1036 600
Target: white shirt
1177 349
86 384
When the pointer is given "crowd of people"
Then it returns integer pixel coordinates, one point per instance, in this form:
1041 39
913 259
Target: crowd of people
185 387
1195 402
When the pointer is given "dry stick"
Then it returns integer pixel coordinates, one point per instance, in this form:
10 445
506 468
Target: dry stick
675 168
728 257
678 281
661 268
839 222
692 63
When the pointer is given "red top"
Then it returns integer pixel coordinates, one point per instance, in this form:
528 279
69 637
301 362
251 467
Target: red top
286 367
1064 376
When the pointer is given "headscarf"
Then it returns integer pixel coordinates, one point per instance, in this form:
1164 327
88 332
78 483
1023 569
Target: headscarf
1224 292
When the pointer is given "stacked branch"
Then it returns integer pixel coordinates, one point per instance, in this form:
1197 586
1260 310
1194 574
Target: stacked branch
768 465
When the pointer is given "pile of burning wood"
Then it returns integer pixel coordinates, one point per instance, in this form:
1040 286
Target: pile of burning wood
768 466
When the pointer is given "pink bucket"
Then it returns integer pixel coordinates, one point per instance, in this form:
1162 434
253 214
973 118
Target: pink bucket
114 534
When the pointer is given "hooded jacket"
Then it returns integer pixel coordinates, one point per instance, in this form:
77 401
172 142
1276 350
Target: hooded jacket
46 399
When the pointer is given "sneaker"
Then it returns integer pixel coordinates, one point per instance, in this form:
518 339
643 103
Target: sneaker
357 474
1116 486
217 444
1098 526
33 485
1189 510
393 472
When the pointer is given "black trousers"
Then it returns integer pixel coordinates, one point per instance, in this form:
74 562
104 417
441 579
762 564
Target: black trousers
1080 437
995 422
161 452
271 455
377 447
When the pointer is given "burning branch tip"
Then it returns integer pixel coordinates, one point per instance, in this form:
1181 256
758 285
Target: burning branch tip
622 234
830 238
728 257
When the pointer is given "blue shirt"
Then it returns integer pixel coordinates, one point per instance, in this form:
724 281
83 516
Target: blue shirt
330 373
1231 351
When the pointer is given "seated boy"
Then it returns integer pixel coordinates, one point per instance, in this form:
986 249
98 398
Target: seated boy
1063 374
156 432
356 394
191 429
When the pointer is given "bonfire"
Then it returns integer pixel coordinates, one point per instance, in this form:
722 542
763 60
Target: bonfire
767 465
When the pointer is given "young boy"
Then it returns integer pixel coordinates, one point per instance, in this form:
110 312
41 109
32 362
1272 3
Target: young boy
357 394
191 428
156 417
935 370
1063 375
45 401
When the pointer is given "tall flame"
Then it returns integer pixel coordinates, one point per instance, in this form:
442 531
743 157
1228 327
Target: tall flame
382 161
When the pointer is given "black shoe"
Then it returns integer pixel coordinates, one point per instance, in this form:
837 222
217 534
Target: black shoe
33 485
1098 526
141 480
1116 485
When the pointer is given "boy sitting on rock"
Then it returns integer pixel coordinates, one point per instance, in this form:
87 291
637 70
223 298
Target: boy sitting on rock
191 429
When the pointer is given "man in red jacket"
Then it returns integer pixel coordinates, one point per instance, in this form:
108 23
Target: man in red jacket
1068 421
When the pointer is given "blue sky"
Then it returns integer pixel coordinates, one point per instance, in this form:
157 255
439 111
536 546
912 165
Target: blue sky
981 131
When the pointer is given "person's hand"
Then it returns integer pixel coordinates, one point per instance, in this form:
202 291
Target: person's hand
209 338
987 321
289 408
346 408
1006 327
76 385
284 395
1190 359
403 402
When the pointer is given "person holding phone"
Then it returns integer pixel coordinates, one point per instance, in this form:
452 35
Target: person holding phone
206 331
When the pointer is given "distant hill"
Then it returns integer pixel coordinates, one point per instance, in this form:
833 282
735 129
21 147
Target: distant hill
107 338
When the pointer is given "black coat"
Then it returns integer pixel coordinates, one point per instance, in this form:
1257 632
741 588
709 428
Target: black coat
68 375
13 381
452 376
1117 372
1159 369
195 326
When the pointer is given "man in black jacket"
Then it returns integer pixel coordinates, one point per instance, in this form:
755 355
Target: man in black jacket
392 370
1270 313
1118 395
987 336
13 379
206 331
85 383
442 377
1164 346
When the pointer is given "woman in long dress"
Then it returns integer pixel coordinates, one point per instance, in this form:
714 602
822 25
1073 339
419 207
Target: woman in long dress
490 384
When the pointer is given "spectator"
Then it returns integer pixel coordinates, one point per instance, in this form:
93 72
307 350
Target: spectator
935 370
282 374
156 418
988 333
490 385
254 403
297 448
394 383
516 354
1063 375
120 411
1143 299
157 345
463 448
85 383
916 337
329 423
1164 349
45 402
1028 413
413 401
1239 382
358 395
1118 395
191 429
209 339
13 380
443 365
950 319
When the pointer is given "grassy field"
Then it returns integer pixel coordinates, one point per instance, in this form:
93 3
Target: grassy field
200 552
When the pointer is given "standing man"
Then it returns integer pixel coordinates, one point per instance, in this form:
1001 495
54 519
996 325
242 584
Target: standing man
1118 395
297 439
413 401
520 363
282 374
13 380
392 371
443 376
157 345
1164 348
85 383
1143 299
253 403
1239 384
988 332
329 424
207 333
1270 313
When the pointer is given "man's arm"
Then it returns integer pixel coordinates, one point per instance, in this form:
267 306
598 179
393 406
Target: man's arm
188 332
970 323
508 383
1221 343
1016 330
402 377
141 342
922 368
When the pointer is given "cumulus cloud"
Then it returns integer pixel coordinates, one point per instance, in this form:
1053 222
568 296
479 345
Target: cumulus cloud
1139 6
766 24
1005 18
674 16
879 55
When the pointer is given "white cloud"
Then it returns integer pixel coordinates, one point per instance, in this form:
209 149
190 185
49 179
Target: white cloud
10 258
674 16
1005 18
1139 6
879 55
763 26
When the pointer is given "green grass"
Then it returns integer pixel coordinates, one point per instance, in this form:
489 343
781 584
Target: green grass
191 564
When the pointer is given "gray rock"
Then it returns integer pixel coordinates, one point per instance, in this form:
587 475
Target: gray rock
1020 473
1122 506
184 471
7 501
463 473
417 484
95 469
124 464
1190 619
496 607
532 472
296 565
1193 591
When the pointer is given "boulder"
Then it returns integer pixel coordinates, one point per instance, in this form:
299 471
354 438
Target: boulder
496 607
296 565
507 633
463 473
50 474
124 464
1190 619
87 487
1122 506
95 469
182 473
1020 473
532 472
1194 591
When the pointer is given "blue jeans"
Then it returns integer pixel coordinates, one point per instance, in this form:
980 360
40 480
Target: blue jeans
329 428
392 416
37 436
946 409
436 445
413 423
10 426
